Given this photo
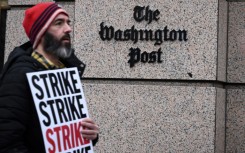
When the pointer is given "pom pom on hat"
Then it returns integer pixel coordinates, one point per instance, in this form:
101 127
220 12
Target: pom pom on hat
38 18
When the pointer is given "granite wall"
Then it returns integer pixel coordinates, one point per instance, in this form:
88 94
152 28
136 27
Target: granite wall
235 126
177 102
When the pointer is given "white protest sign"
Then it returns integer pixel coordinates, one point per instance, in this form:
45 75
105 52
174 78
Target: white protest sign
61 105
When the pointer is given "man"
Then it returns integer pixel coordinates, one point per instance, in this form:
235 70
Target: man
48 27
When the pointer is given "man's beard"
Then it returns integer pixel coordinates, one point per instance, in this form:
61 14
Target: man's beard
55 47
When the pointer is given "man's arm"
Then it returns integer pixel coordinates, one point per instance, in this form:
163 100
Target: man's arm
15 111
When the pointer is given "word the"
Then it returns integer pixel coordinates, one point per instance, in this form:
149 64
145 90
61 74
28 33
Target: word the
144 13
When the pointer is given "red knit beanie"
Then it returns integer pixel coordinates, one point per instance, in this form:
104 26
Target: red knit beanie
38 18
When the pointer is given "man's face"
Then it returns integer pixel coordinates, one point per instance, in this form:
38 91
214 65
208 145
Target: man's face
57 39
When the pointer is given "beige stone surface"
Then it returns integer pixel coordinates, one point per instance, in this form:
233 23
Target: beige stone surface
152 118
235 125
26 2
197 56
236 48
15 34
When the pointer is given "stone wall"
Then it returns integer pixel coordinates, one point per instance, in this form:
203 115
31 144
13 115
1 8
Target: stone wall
177 102
235 122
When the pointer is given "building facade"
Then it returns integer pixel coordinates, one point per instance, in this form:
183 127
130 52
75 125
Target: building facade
161 75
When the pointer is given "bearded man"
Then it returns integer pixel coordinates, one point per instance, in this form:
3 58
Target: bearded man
47 26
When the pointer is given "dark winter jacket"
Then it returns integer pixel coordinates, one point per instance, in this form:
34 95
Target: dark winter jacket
20 130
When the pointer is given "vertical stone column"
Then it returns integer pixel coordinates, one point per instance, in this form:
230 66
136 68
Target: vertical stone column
235 133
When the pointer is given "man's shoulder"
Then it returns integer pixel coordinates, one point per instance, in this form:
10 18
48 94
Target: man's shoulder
20 62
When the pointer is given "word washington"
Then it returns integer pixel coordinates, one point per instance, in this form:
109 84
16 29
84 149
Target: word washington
133 34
